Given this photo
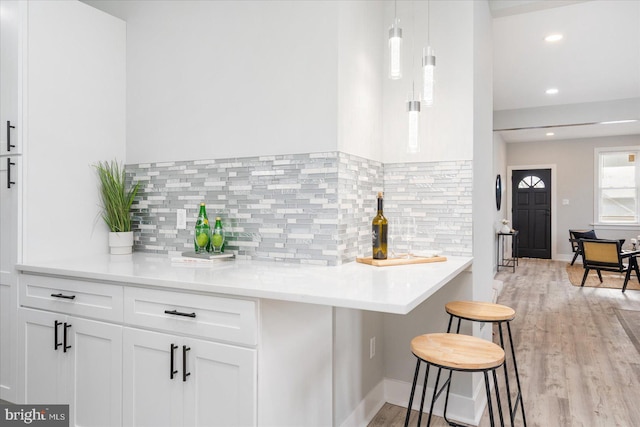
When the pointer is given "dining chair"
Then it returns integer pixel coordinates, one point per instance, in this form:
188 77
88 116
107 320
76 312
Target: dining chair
574 239
607 255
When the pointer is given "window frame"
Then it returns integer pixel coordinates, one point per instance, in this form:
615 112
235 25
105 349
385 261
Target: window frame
598 151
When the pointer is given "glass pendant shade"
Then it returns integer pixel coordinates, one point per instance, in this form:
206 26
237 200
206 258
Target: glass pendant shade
395 48
428 67
413 107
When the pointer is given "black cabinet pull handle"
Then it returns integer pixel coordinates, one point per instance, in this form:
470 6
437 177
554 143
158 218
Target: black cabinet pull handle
56 344
9 164
9 144
185 374
171 370
63 296
179 313
66 347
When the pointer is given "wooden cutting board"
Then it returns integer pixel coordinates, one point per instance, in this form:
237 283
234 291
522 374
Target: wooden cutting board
400 261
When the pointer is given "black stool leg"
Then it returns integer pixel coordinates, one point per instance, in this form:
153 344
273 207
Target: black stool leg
424 392
506 375
489 403
435 396
413 390
515 368
495 385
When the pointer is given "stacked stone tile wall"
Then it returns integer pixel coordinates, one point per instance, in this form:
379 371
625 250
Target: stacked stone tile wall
309 208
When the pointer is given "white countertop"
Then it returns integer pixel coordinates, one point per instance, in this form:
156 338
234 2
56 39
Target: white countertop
394 289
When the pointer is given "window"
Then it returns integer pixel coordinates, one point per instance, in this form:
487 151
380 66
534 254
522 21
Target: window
531 181
617 185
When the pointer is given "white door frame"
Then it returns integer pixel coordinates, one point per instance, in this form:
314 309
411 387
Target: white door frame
554 199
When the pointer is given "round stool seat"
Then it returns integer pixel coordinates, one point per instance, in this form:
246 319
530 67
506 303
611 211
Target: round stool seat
480 311
458 352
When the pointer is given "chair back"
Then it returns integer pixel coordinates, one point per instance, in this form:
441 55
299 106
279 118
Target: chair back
576 235
601 253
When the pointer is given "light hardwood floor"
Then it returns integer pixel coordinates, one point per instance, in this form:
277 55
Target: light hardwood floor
578 366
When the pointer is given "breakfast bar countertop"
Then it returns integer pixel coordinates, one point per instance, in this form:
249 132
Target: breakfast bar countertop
394 289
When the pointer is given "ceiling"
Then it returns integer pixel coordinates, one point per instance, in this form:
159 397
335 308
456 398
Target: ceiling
594 66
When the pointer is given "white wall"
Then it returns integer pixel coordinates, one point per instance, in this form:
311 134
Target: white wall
500 167
360 76
219 79
446 128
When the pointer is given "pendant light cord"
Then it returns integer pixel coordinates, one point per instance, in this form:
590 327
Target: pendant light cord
413 56
428 22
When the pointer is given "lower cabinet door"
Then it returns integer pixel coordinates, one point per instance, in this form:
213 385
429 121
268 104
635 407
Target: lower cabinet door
44 370
152 385
8 338
221 388
95 355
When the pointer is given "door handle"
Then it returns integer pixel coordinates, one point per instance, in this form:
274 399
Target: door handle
185 374
171 370
56 344
9 164
66 347
9 144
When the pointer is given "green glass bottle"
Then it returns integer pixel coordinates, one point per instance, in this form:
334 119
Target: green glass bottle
379 227
217 237
202 232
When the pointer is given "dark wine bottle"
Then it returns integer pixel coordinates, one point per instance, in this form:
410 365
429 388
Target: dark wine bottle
379 227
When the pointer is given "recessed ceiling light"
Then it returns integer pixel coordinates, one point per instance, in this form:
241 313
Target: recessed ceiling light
552 38
551 91
550 133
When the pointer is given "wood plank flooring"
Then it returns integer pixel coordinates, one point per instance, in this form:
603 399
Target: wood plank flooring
578 366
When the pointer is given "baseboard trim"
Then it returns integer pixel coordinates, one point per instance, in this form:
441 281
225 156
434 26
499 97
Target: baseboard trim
461 408
367 408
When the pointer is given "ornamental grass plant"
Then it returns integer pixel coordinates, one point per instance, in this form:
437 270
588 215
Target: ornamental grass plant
116 199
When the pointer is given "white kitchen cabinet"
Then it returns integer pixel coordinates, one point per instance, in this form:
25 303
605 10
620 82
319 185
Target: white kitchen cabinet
75 361
8 282
180 373
10 168
62 80
174 381
10 25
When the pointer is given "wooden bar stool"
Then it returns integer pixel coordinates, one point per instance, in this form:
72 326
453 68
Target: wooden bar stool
477 311
455 352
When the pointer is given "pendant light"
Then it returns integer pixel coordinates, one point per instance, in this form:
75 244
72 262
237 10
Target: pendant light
395 47
413 107
428 66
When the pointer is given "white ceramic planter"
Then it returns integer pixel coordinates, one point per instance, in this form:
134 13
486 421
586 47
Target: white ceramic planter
120 243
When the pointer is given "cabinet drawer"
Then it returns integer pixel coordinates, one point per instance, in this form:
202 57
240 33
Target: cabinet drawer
227 319
75 297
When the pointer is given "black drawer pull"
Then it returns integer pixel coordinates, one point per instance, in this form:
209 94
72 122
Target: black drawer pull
185 374
179 313
9 144
66 347
56 344
9 164
171 370
64 296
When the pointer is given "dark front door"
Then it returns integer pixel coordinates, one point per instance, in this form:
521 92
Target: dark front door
531 212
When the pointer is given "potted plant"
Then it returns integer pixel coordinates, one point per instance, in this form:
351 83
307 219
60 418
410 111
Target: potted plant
116 204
